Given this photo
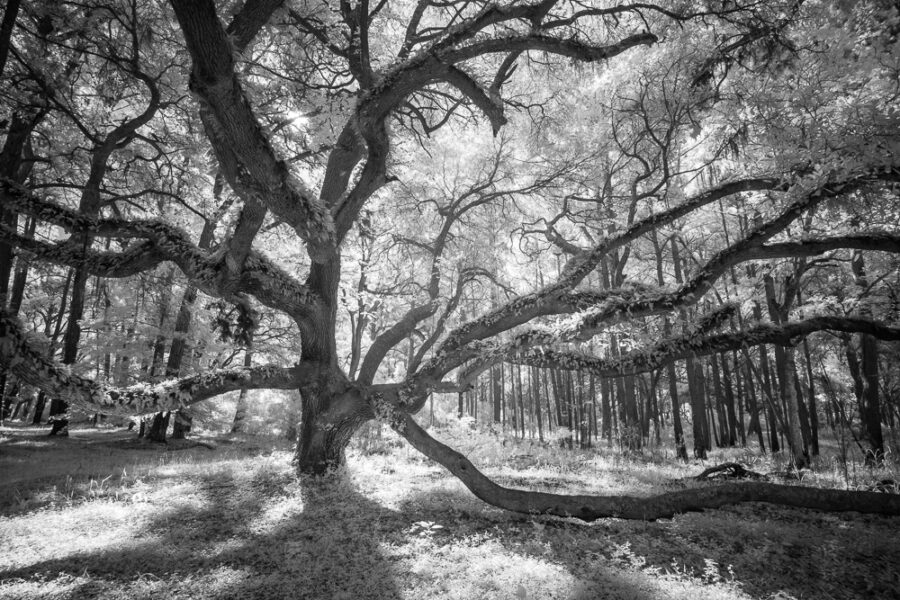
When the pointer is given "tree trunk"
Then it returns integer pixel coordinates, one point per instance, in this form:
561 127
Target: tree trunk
605 410
725 438
545 386
787 380
813 409
59 408
680 447
698 409
39 406
182 425
752 404
536 399
158 427
329 419
799 449
869 401
240 413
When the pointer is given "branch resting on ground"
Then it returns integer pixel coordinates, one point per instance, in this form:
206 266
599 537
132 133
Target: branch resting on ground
591 508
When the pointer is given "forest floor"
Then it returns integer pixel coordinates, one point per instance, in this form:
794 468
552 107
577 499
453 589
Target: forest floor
98 515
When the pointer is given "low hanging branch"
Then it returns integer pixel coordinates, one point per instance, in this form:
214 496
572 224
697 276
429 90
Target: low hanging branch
591 508
677 348
21 355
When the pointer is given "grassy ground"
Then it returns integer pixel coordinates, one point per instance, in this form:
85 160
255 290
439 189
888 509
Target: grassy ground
98 516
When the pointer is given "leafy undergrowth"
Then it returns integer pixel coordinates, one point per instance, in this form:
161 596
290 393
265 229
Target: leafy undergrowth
96 516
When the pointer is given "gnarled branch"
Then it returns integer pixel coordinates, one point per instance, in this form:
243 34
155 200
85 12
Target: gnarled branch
258 175
21 355
590 508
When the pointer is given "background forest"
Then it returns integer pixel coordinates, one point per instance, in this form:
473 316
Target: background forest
549 233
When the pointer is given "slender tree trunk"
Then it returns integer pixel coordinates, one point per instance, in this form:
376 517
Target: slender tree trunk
240 414
699 423
654 405
797 443
698 409
730 413
520 398
787 374
546 388
869 405
605 410
768 390
733 376
752 404
536 400
725 438
680 447
558 397
591 410
39 406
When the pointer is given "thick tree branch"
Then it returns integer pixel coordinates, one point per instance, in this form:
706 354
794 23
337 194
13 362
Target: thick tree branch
390 338
685 346
437 64
611 306
545 43
546 301
490 106
261 277
553 299
6 27
135 259
258 175
590 508
21 355
248 22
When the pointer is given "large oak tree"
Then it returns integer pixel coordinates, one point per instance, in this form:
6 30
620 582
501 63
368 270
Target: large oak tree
309 111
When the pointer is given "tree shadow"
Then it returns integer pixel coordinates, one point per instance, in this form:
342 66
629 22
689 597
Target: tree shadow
248 538
764 550
74 466
537 546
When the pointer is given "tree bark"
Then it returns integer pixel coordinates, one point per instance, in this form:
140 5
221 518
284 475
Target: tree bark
869 401
813 409
240 413
331 414
158 427
666 505
699 421
787 374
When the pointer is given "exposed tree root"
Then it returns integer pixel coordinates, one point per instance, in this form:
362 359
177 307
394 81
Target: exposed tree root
590 508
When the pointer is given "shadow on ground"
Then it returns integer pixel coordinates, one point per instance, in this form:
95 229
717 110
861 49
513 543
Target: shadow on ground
223 547
234 534
764 550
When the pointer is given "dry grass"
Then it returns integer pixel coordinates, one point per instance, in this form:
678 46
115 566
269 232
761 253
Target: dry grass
95 516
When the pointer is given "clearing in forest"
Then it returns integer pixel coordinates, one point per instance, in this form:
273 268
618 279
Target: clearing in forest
98 516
